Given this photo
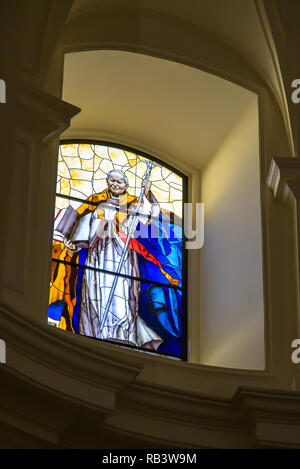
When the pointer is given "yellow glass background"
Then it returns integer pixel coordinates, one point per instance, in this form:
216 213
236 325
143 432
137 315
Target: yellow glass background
82 171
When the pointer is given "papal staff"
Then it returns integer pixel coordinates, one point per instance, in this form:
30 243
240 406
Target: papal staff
131 229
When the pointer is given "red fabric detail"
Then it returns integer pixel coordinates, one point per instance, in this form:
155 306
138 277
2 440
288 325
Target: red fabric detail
140 249
57 214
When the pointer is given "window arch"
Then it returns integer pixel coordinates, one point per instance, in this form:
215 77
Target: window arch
118 258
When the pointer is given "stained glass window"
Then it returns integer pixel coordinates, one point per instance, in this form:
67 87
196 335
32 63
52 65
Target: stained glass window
118 262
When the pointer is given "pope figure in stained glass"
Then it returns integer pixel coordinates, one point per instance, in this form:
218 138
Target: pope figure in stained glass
82 282
117 259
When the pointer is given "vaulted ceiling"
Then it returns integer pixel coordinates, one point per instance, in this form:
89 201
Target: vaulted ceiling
235 22
182 111
137 98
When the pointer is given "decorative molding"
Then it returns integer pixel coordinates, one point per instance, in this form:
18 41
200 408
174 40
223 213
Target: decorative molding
66 353
268 13
284 181
272 416
42 23
41 116
40 119
147 417
284 174
15 259
56 380
109 35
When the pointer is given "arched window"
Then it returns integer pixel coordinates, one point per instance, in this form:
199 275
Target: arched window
118 261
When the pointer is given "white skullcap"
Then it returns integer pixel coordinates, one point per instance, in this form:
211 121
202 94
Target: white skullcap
117 171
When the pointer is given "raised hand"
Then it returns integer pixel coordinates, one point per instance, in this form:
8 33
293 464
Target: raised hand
147 184
71 246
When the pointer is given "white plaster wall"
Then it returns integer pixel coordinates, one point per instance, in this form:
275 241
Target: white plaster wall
232 310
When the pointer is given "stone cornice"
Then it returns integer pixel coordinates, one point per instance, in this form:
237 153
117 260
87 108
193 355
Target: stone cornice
273 405
42 116
66 353
272 416
103 387
178 407
284 181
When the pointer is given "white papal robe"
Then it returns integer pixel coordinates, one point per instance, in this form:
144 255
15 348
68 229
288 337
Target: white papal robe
123 322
